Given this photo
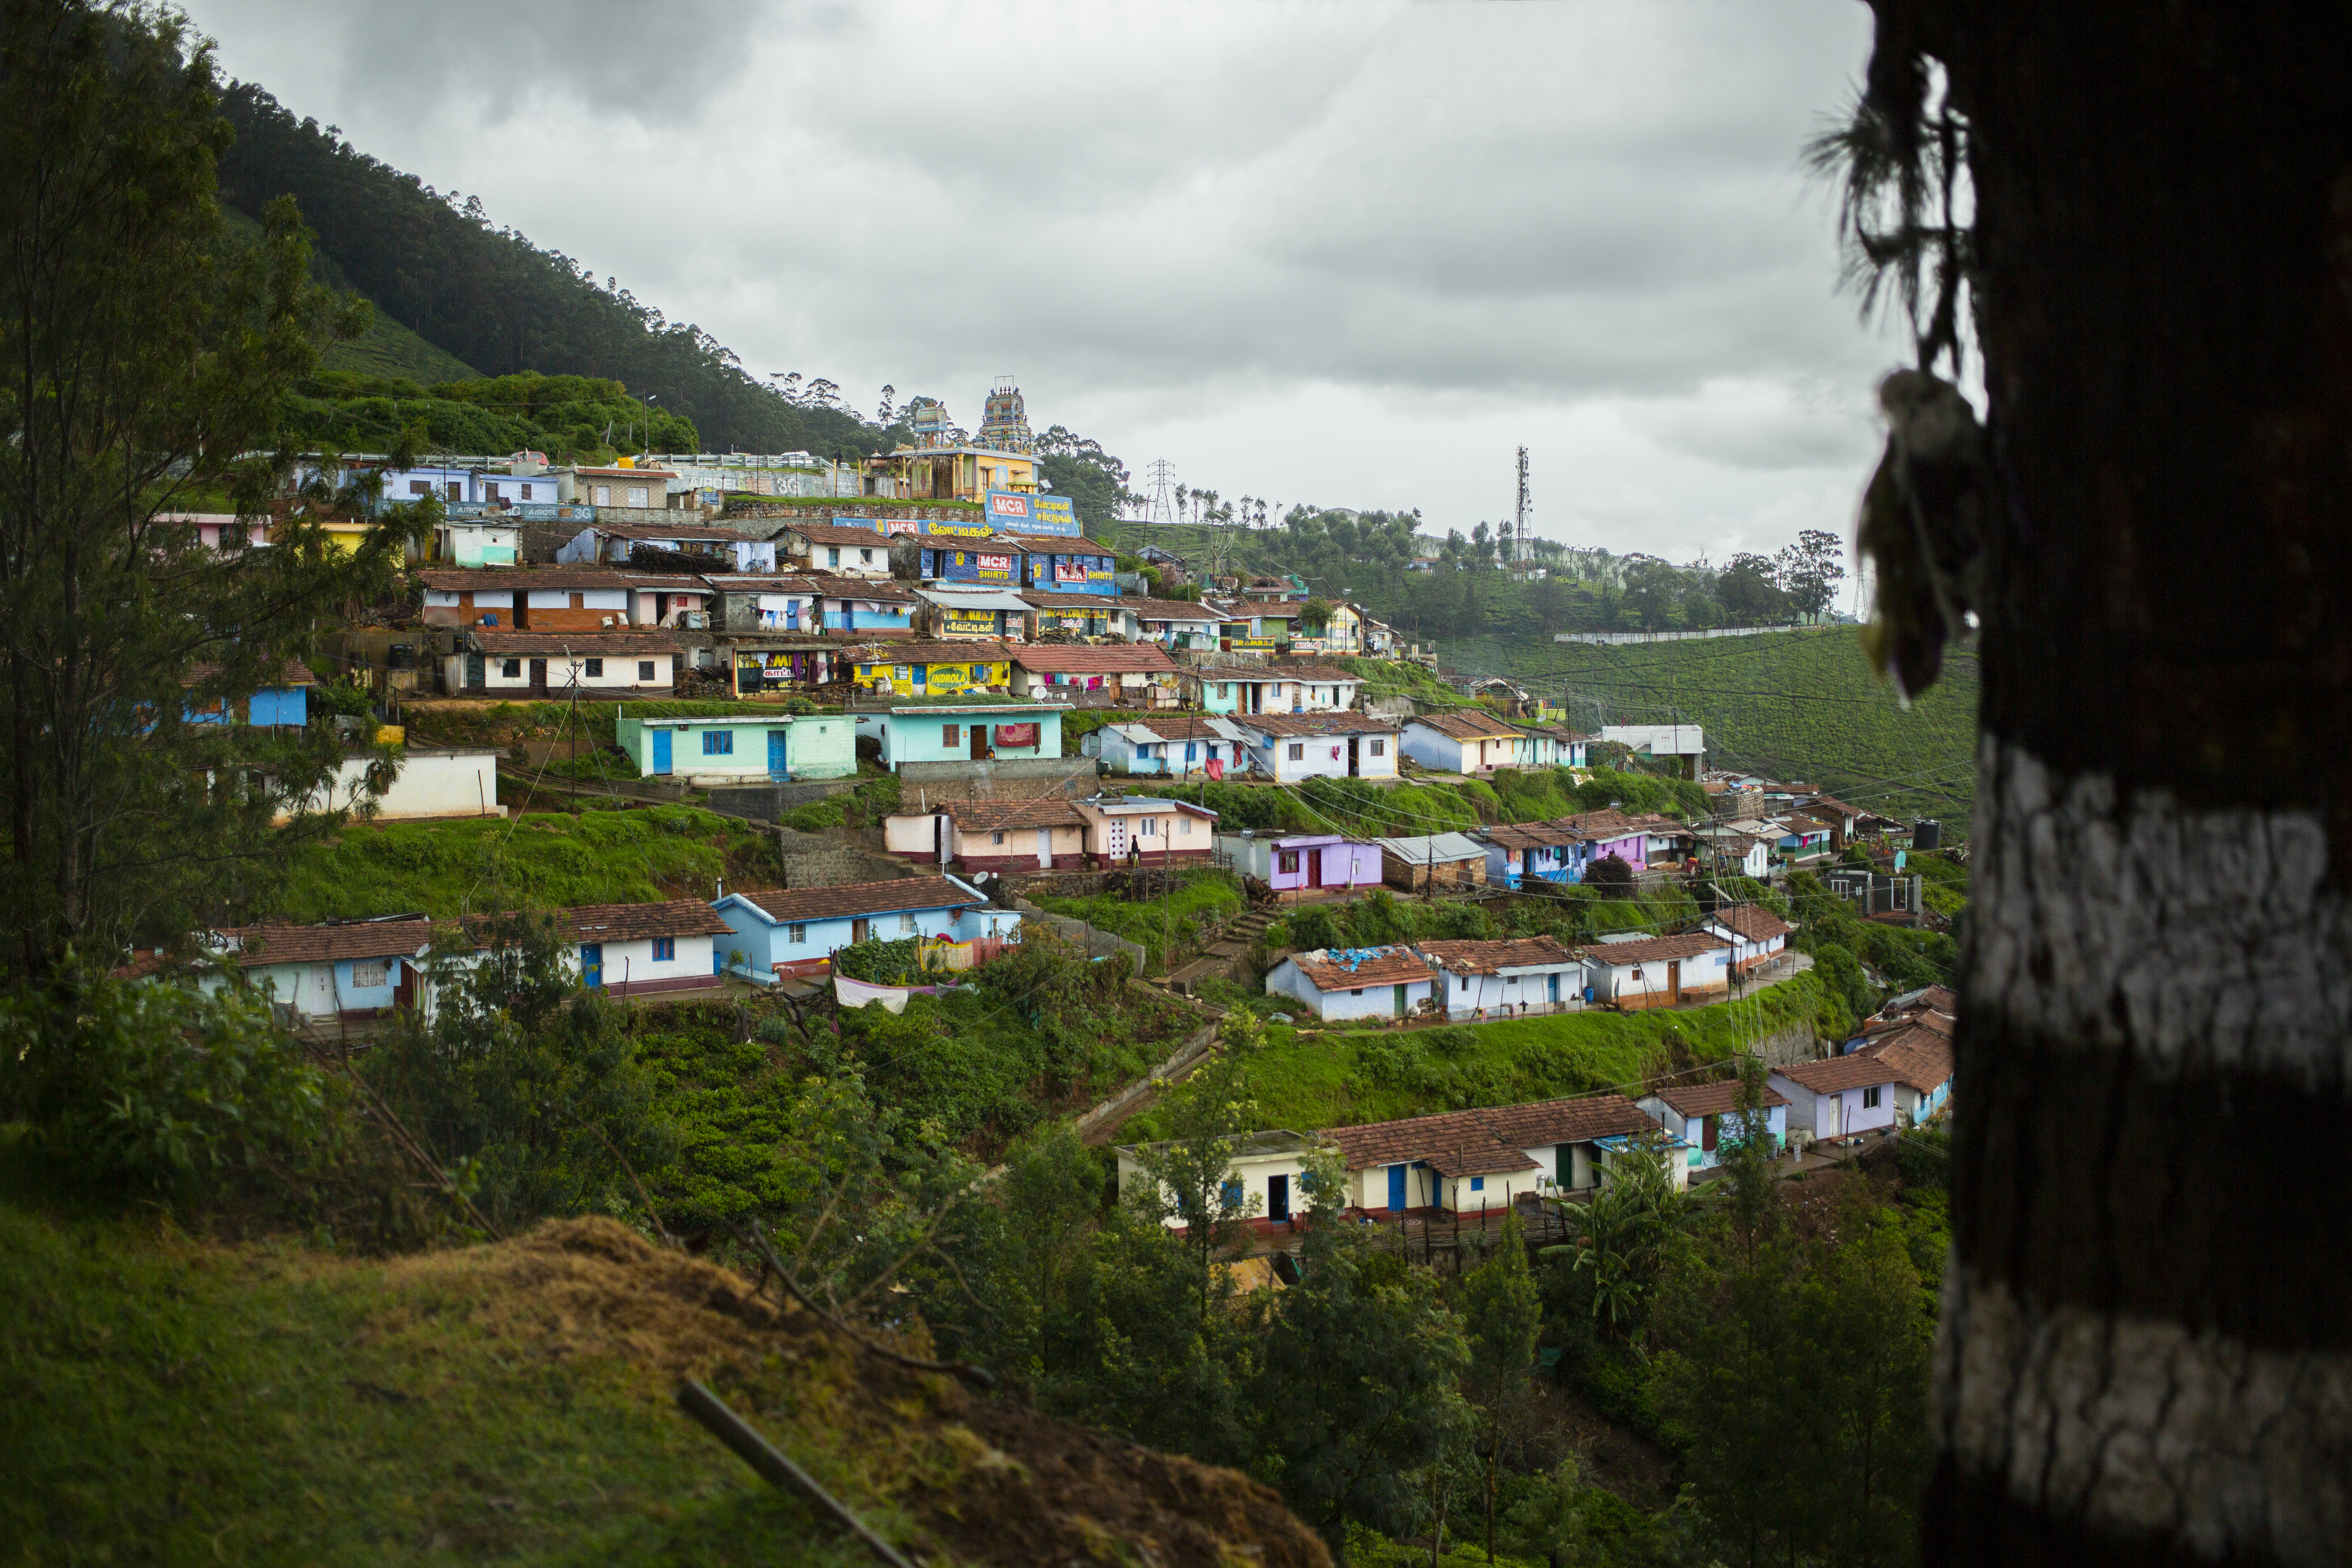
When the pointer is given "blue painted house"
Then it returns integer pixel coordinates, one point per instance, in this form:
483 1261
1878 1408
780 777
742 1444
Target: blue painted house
739 749
353 970
783 932
1068 565
955 732
284 702
994 562
1707 1117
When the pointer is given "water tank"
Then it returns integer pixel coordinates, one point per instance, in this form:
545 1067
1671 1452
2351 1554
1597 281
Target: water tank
1926 834
402 657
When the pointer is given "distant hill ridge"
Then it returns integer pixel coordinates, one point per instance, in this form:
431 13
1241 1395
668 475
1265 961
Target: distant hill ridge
452 288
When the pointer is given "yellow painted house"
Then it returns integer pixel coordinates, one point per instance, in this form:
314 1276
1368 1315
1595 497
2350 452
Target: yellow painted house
934 668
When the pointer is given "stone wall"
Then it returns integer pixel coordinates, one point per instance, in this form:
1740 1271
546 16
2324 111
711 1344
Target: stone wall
769 802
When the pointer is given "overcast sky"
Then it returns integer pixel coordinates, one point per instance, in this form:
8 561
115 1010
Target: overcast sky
1352 254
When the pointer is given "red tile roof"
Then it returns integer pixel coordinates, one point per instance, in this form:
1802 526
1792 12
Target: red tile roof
510 579
292 672
1082 659
402 938
500 642
1493 957
1567 1120
1654 949
643 531
1456 1143
782 905
617 923
1467 724
1312 673
1713 1099
1752 922
1834 1075
833 533
994 816
1377 966
1287 724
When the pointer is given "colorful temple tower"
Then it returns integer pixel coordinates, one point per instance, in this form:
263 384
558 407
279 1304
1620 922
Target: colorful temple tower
1004 424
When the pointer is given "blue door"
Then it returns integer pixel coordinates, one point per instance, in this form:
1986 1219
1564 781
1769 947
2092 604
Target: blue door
1552 981
1396 1188
591 963
662 738
776 754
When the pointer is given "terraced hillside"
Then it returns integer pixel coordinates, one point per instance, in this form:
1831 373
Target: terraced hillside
1801 704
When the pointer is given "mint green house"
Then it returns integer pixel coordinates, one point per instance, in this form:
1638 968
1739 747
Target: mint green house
737 749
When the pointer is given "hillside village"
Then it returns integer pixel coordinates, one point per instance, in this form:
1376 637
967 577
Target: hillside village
1099 1042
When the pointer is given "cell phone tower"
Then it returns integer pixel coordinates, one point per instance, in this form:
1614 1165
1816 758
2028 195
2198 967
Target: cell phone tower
1162 473
1522 526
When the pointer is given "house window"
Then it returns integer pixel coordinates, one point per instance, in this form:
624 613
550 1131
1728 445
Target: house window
371 976
510 669
1466 982
1359 991
420 488
905 925
1289 859
1870 1097
865 557
1297 750
833 556
1477 1184
1224 688
664 949
489 490
526 493
795 935
644 669
1379 749
595 669
718 742
951 734
996 839
1150 829
603 495
1185 826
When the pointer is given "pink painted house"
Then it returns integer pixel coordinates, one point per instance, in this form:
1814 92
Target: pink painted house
1298 864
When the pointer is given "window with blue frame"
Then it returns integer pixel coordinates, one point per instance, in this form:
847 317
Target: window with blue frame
664 949
1233 1194
718 742
1477 1184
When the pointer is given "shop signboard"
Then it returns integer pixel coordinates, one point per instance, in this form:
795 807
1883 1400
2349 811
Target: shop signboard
759 672
909 525
1052 514
1070 569
1009 509
865 522
943 528
968 623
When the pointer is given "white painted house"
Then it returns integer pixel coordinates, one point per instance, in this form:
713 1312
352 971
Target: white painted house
1508 978
1756 935
1704 1115
1265 1182
1659 972
556 664
1355 982
1898 1080
1177 744
351 969
781 932
1467 740
427 783
1473 1161
1291 749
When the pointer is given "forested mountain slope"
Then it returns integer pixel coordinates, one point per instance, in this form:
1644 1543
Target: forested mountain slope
492 299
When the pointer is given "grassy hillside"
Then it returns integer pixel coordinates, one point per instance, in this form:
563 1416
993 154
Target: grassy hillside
389 349
1801 704
172 1401
536 861
1311 1080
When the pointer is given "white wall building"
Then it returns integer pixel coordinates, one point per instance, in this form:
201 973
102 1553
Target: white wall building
1354 983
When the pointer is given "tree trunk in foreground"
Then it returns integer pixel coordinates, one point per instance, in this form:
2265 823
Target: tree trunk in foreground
2147 1345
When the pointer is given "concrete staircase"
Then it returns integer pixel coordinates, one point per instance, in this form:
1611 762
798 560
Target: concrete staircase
1223 957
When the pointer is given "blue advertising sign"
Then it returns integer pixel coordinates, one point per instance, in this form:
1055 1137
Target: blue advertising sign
1053 514
1009 510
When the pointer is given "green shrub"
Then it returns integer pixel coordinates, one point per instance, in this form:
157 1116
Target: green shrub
155 1085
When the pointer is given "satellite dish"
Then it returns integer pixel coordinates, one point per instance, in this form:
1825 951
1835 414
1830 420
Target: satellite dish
1090 743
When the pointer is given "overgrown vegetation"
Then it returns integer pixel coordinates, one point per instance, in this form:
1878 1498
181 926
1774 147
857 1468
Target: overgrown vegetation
535 860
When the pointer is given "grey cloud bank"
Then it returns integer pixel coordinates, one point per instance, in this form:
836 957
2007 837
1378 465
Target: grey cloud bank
1345 253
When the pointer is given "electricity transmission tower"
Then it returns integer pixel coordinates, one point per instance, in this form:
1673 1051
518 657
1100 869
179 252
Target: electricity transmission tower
1520 524
1161 474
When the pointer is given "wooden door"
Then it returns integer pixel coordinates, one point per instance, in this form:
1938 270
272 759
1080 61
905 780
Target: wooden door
860 929
1674 982
538 673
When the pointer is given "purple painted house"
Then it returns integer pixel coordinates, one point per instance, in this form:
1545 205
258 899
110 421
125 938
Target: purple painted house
1303 862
